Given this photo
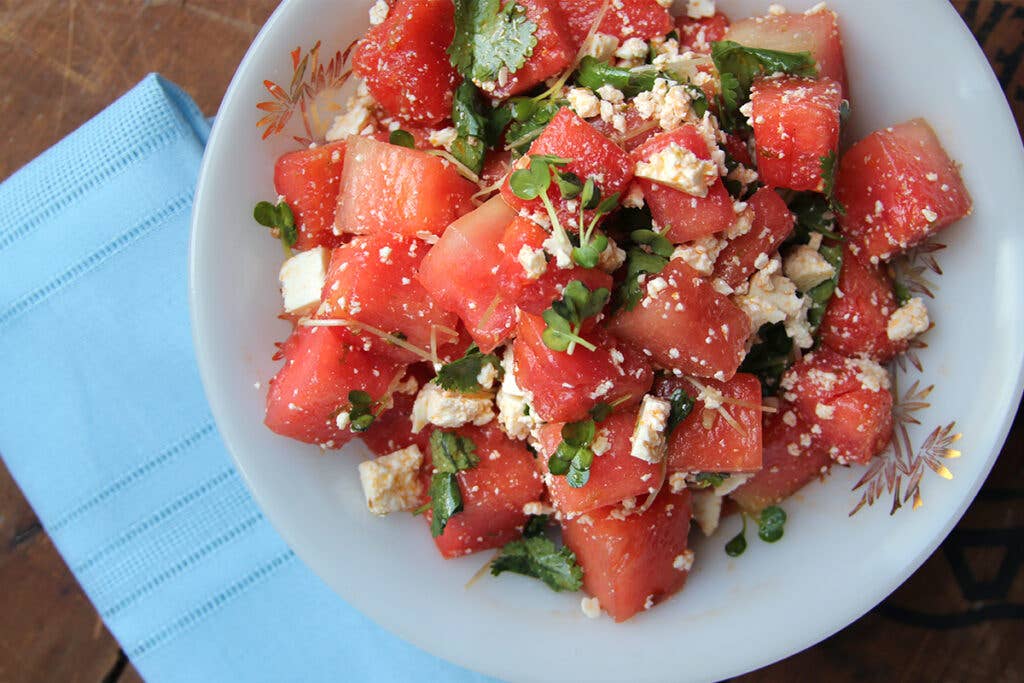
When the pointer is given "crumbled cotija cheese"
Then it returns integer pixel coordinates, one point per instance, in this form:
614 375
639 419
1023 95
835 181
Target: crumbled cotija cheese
701 254
533 261
391 483
680 168
772 298
302 280
699 9
584 102
648 440
806 267
909 320
444 408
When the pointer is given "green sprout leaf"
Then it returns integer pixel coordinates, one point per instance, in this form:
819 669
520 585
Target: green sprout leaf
569 184
402 138
573 457
280 219
771 524
566 315
737 545
537 556
461 375
703 480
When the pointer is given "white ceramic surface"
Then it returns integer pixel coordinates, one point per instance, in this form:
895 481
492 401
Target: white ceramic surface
906 58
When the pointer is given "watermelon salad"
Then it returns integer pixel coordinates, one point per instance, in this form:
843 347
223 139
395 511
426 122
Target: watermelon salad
586 276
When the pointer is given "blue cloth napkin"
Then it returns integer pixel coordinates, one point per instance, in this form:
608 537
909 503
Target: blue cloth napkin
104 425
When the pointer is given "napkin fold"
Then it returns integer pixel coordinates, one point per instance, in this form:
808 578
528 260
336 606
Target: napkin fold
104 424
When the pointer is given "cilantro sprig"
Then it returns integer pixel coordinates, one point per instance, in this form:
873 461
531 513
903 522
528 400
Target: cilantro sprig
461 375
565 317
649 256
770 357
593 73
813 214
536 555
574 455
829 168
469 117
738 66
822 293
526 118
451 454
281 221
490 35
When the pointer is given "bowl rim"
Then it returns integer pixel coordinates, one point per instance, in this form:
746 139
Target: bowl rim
448 651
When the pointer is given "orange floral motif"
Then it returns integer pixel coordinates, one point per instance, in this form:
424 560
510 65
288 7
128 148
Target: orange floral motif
303 92
898 471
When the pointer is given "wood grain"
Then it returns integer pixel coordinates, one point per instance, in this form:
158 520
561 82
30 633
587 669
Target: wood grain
64 61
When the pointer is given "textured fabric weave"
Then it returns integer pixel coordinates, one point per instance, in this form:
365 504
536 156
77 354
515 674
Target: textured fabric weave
104 425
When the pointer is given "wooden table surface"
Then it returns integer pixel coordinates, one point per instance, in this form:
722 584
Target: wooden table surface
959 618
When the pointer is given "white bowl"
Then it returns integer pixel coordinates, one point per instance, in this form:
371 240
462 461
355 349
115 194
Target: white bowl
906 59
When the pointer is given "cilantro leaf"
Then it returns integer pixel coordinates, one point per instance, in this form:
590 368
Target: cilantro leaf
445 501
461 375
902 291
738 66
280 219
821 294
528 119
566 315
682 405
771 524
538 557
490 36
451 454
813 214
829 167
470 121
649 257
770 357
536 525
